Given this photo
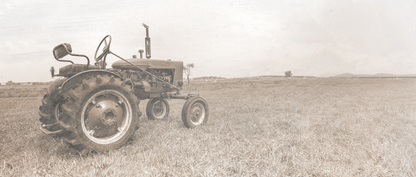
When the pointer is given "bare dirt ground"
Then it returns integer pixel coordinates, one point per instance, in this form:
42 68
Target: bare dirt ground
257 127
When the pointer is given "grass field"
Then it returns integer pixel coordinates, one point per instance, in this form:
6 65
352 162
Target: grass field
257 127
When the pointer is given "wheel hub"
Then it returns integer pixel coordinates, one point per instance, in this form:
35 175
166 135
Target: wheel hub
108 112
159 109
197 113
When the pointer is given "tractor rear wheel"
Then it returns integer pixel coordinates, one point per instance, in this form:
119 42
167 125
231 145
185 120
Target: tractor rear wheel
157 108
48 111
195 112
48 114
99 114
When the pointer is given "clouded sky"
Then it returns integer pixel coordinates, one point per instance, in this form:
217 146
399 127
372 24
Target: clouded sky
229 38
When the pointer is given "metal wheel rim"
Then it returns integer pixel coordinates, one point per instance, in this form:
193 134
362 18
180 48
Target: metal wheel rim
197 113
163 109
127 116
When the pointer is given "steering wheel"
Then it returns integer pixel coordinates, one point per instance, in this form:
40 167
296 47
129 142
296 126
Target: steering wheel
106 49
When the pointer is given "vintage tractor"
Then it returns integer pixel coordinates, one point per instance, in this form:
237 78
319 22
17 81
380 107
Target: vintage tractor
96 109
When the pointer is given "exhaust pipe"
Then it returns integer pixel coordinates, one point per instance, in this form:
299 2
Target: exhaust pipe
147 42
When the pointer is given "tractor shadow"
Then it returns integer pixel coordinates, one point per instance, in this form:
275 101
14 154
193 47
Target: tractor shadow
48 146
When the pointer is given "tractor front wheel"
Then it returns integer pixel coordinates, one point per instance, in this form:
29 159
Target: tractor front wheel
157 108
195 112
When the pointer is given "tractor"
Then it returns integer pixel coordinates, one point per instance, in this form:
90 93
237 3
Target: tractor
94 108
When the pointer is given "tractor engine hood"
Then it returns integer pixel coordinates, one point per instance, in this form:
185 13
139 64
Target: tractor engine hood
147 63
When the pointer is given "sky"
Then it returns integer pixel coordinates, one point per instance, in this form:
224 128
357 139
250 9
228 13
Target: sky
226 38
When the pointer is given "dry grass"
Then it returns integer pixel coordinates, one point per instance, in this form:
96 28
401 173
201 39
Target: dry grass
257 127
22 91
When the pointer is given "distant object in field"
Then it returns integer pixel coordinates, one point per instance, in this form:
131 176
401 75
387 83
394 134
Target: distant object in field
187 70
379 75
209 78
288 73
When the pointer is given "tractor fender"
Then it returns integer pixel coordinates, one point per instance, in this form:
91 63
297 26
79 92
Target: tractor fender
79 77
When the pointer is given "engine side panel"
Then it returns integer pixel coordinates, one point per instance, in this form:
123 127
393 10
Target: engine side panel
147 63
152 64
